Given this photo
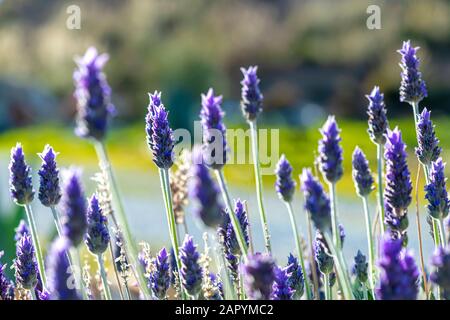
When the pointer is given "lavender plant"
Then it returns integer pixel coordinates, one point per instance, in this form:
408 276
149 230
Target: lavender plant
190 271
26 269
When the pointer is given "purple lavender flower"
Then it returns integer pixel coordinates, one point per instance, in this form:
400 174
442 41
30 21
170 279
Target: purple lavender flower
397 224
378 122
217 282
93 95
230 237
441 272
212 121
436 191
284 185
191 271
25 263
399 273
323 257
296 279
21 230
259 276
159 134
360 268
252 97
398 180
173 266
330 151
206 193
73 219
362 176
44 295
317 202
49 190
160 277
20 185
97 235
5 283
412 88
281 289
58 272
428 150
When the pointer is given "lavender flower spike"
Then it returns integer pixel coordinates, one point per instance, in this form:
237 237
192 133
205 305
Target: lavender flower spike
428 150
296 276
73 220
412 88
97 235
436 191
281 289
213 128
159 134
49 189
252 97
25 264
5 284
21 187
21 230
259 276
206 193
60 286
317 202
441 273
160 277
360 268
191 271
399 273
230 236
378 122
362 176
93 95
330 151
322 255
398 179
285 185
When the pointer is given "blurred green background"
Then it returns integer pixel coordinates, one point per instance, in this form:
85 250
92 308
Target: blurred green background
314 57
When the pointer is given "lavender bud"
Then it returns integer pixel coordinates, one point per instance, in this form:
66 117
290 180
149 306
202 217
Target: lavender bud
230 238
252 97
285 185
378 122
74 210
330 151
60 277
25 263
317 202
21 230
49 190
191 271
212 122
436 191
441 272
93 95
399 273
20 185
322 254
259 276
160 277
97 235
159 134
360 267
362 176
281 289
428 150
398 179
5 284
412 88
296 279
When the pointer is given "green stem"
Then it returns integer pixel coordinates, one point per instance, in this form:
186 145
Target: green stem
101 266
341 269
116 272
370 245
234 221
56 220
312 262
334 217
298 246
33 294
74 256
259 185
130 246
37 246
442 232
326 283
165 186
127 291
380 186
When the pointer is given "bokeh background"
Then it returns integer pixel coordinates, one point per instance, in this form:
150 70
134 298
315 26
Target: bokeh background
314 57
